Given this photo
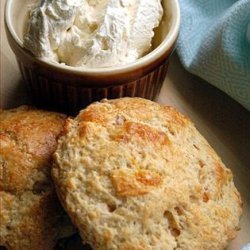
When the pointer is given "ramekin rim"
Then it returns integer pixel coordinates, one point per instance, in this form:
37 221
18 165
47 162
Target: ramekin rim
148 59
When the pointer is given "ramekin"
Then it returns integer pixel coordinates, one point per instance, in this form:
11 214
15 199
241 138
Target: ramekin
69 89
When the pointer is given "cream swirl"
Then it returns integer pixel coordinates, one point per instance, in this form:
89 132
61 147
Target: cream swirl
92 33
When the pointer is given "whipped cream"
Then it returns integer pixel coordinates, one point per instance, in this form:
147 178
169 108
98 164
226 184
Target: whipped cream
92 33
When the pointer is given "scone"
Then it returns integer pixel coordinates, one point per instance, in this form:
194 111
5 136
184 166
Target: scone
133 174
31 217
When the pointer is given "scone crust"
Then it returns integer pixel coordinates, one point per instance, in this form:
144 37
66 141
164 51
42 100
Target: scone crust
134 174
30 214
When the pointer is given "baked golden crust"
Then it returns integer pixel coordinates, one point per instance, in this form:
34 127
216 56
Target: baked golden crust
133 174
30 214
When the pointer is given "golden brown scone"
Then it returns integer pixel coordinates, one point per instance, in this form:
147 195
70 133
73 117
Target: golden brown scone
30 215
133 175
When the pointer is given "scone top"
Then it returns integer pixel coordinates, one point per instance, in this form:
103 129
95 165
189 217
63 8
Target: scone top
134 174
30 215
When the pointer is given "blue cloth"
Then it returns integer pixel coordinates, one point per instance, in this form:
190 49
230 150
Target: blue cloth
214 43
247 247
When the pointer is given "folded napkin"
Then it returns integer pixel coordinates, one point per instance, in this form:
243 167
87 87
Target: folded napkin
214 43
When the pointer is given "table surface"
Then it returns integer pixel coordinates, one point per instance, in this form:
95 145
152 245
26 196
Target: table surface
222 121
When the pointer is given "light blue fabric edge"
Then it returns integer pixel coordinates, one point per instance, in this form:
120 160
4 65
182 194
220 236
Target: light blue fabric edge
241 91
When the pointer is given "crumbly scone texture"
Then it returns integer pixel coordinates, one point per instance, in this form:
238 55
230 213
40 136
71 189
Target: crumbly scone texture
136 175
31 216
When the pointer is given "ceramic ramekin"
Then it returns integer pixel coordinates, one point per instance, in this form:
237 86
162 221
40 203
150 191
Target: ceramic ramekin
69 89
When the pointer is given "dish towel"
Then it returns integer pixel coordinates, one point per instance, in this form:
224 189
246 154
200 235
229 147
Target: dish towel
247 247
214 43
